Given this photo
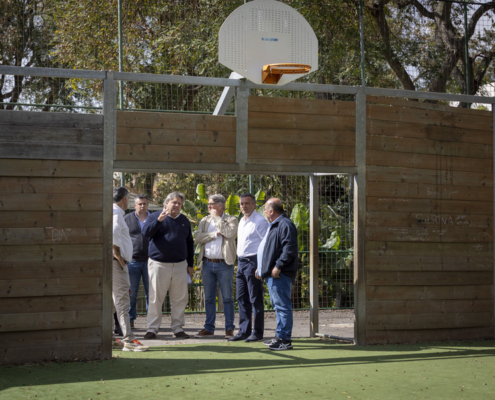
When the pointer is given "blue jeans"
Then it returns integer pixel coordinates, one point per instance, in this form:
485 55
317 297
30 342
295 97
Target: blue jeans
280 290
136 271
223 274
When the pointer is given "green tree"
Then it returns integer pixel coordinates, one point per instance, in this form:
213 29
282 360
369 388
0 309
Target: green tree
426 38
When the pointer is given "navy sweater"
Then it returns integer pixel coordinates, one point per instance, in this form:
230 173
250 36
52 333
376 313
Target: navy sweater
171 240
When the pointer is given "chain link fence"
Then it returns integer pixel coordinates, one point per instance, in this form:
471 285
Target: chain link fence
335 228
440 46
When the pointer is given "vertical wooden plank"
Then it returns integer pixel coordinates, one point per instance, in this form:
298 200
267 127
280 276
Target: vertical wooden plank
313 254
241 112
359 182
109 152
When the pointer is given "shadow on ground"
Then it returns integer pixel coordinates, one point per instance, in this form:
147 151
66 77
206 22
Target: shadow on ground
195 360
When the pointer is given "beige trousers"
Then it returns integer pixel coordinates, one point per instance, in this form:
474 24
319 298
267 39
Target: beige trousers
121 302
172 278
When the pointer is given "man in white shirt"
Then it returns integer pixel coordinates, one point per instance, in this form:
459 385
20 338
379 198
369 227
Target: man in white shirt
122 254
252 230
216 234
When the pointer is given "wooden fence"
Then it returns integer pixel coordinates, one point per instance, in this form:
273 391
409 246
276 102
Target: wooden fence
173 137
429 223
427 270
52 238
301 132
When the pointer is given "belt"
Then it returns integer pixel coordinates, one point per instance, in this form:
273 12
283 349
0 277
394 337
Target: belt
125 262
214 260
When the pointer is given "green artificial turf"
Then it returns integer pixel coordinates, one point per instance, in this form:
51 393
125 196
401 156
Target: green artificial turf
315 369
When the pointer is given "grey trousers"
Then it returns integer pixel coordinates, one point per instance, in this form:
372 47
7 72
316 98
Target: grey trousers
121 300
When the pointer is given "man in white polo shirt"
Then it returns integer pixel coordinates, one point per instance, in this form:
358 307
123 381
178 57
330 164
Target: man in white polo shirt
252 229
122 254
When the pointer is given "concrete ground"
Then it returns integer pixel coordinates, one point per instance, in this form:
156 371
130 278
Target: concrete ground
332 322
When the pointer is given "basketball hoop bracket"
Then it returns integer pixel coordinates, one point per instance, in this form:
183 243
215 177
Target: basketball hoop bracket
271 73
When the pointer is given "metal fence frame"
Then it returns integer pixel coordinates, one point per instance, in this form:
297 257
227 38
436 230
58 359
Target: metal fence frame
110 100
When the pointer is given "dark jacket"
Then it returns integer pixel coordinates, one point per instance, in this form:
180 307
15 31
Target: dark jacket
171 241
281 249
139 242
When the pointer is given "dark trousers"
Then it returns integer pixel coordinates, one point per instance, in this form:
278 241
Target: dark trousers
249 297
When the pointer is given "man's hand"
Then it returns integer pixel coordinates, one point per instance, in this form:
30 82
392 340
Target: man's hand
276 272
163 215
116 254
256 275
190 271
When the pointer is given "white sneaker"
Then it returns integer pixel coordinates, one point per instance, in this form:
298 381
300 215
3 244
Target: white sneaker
135 345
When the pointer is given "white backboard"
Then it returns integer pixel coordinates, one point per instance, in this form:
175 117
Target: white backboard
265 32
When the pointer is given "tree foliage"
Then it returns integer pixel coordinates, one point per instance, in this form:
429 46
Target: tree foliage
423 42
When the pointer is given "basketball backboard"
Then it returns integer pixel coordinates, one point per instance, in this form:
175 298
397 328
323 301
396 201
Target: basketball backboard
263 32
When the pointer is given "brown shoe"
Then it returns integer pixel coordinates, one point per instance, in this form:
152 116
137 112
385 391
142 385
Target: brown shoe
203 333
229 333
150 335
181 335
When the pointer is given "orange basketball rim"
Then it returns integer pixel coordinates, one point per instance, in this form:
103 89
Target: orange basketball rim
272 73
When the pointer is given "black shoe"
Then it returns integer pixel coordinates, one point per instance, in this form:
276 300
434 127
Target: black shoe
269 342
281 344
150 335
237 337
181 335
132 323
253 338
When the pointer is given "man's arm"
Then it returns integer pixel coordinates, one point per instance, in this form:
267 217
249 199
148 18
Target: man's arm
118 256
202 235
288 239
152 225
227 227
190 252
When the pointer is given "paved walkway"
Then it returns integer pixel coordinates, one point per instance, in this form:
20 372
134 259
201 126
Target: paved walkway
332 322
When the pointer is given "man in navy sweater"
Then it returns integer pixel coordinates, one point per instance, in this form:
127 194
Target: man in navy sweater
171 258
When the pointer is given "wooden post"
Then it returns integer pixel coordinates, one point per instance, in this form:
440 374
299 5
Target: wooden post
359 182
109 133
314 288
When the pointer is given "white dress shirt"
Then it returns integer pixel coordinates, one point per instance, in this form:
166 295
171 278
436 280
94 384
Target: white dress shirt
121 237
213 249
250 234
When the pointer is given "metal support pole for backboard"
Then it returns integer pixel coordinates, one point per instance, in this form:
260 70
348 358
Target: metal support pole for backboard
359 221
121 58
241 112
109 130
314 289
361 39
466 56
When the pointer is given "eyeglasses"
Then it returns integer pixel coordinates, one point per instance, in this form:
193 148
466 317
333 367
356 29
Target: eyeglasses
212 204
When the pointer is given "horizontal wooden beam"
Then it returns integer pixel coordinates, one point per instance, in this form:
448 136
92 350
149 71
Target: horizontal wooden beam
207 168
